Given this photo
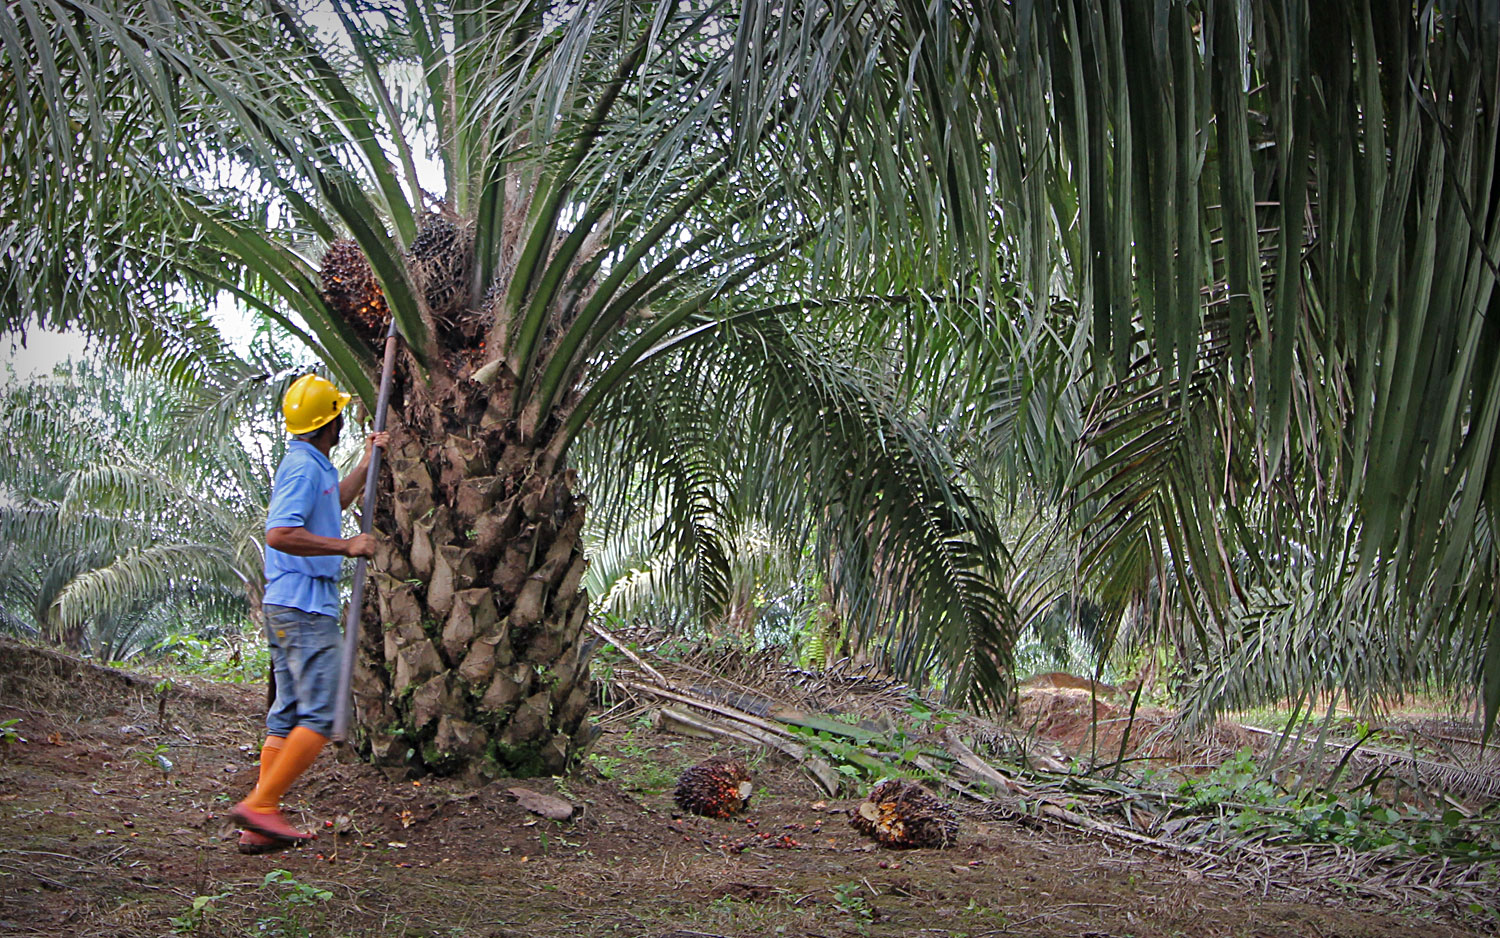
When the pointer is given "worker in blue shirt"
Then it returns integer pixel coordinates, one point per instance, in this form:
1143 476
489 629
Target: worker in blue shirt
304 560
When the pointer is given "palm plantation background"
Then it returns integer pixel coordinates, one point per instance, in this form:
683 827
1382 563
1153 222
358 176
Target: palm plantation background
931 332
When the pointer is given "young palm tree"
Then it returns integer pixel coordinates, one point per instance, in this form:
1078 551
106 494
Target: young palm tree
620 203
118 522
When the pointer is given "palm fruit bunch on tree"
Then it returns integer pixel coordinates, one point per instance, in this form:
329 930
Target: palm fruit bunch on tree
350 287
717 787
904 814
440 259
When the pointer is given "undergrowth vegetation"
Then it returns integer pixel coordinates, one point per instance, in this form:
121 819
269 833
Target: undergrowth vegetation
640 764
1242 800
288 908
239 657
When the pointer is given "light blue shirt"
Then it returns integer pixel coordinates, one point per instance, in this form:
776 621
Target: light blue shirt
305 495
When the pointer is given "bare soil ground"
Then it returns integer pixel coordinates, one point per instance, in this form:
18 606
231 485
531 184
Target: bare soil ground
96 839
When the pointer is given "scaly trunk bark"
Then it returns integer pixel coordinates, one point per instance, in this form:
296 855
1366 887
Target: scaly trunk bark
470 658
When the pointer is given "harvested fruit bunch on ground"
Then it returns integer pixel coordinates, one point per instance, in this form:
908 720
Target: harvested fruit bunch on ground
904 814
351 289
717 787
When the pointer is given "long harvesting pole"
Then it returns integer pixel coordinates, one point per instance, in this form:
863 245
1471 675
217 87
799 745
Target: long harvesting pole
361 566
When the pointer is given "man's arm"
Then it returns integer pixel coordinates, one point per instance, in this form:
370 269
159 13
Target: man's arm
353 483
301 542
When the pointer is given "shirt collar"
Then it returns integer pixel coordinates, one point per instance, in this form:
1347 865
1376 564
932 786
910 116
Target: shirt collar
316 453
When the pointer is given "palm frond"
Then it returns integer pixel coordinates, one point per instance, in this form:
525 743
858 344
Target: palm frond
143 576
821 452
111 519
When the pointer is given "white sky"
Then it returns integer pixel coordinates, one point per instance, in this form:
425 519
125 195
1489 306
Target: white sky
45 349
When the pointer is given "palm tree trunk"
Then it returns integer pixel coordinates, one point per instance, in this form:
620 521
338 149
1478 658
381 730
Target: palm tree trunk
73 638
470 658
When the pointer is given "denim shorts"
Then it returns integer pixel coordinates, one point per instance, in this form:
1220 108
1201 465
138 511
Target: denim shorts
305 649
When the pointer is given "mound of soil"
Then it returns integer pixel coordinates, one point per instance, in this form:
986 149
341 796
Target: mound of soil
1081 722
112 812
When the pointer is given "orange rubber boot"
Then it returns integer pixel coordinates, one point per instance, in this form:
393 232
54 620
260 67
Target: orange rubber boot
268 753
261 811
251 842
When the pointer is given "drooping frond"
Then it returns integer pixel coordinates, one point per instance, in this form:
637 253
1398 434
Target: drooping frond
759 420
144 576
1273 230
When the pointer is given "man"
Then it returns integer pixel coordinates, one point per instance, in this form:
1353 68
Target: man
304 559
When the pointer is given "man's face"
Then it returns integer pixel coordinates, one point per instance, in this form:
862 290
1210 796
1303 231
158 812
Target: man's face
338 428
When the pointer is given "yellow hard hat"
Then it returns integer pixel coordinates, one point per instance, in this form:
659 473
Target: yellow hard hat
311 402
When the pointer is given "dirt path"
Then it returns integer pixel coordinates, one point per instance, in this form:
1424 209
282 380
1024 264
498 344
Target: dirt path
100 841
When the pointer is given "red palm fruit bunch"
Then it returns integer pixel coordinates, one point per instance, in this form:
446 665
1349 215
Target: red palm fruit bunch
904 814
717 787
350 287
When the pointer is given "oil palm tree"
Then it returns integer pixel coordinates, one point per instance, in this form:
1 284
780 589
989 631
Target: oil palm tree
621 196
1266 398
1255 245
119 520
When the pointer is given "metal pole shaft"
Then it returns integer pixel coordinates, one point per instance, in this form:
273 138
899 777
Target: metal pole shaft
361 566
